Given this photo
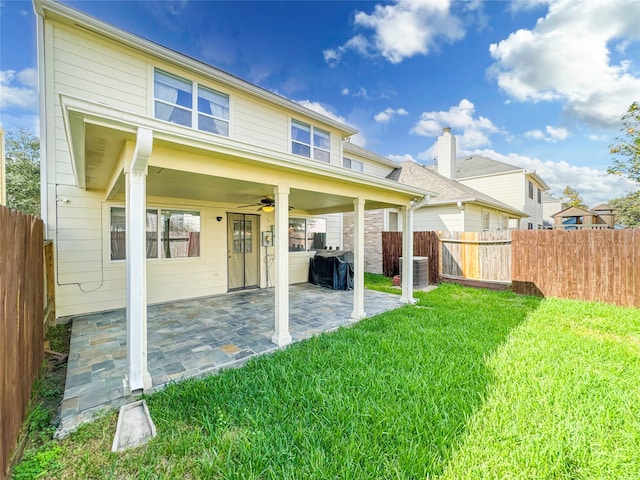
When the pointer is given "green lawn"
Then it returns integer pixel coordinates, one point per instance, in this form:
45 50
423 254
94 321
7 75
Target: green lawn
466 384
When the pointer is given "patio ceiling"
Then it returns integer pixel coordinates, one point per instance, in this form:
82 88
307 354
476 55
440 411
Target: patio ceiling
102 149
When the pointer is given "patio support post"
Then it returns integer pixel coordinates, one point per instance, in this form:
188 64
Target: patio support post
281 336
407 256
135 203
358 259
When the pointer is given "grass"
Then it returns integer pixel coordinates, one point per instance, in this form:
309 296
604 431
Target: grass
466 384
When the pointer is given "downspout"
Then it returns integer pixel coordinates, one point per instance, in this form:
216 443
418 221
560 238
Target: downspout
407 254
42 107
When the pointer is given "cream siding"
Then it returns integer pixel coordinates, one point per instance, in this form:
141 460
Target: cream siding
509 188
376 169
87 67
439 218
334 230
299 267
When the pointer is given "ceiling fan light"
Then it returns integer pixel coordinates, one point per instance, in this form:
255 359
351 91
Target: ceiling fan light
268 208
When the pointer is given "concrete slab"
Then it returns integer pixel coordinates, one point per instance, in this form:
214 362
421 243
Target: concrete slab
135 427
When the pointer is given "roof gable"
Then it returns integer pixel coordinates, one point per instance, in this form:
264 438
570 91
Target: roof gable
449 191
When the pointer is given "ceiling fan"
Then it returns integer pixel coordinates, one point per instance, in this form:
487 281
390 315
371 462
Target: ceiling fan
267 204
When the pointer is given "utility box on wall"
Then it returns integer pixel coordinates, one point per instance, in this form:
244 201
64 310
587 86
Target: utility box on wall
420 271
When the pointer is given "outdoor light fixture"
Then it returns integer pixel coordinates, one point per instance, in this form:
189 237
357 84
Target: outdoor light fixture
219 219
268 208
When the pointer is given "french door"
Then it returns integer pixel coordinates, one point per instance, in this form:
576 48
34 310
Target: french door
243 247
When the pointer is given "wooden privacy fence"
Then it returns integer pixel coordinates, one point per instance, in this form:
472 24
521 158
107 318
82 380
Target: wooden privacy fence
599 265
476 255
21 321
425 244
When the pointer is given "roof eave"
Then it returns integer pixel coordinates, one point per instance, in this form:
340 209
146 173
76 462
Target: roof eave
42 7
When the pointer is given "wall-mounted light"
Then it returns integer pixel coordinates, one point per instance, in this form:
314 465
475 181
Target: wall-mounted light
219 219
268 208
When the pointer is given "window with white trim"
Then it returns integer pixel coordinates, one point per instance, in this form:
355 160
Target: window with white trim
169 233
175 102
530 189
309 141
307 234
539 196
356 165
504 221
486 218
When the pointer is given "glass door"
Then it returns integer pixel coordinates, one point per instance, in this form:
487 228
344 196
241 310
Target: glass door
243 247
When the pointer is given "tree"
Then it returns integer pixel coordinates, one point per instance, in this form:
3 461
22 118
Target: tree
626 151
22 151
571 198
627 209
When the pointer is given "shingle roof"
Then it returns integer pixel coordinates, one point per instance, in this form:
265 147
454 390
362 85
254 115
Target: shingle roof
449 191
476 165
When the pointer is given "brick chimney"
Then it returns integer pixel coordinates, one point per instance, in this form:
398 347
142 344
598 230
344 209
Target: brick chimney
447 154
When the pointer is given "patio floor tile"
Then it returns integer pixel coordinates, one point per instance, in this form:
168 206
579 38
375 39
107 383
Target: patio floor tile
193 337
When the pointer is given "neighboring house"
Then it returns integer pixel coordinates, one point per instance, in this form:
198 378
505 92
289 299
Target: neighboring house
458 207
575 218
515 186
164 178
454 206
550 205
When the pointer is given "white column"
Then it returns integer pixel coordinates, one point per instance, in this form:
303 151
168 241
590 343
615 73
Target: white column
407 256
281 335
358 259
135 203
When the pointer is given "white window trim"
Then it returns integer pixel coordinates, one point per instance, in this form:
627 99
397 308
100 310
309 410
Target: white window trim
306 218
194 102
107 237
351 162
311 145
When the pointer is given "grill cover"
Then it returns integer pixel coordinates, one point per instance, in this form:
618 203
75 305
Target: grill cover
332 269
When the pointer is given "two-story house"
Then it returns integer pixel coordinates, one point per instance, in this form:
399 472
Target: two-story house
517 187
164 178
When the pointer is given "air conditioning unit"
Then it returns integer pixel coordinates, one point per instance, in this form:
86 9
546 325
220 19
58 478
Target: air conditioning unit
420 271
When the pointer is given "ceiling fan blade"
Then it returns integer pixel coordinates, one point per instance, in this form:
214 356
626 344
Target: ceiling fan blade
250 205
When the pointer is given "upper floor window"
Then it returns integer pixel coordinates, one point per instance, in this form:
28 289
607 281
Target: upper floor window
539 196
175 102
356 165
306 139
530 189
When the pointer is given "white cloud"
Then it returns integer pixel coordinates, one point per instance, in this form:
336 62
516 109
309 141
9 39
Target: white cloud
535 134
553 134
18 89
386 115
345 91
594 186
317 107
475 130
567 57
402 158
402 30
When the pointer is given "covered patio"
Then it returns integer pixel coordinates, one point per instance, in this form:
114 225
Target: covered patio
192 337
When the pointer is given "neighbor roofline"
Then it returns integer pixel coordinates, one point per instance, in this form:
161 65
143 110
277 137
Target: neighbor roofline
532 173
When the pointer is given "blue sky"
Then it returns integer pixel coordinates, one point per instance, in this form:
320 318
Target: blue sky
537 83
